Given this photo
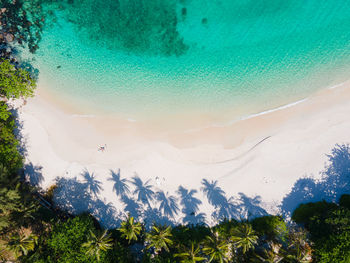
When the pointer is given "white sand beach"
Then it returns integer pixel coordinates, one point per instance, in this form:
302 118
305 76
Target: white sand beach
255 161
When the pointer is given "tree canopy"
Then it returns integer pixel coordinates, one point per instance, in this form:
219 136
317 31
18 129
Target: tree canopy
15 82
329 227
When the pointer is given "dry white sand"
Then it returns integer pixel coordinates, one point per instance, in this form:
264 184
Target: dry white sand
294 142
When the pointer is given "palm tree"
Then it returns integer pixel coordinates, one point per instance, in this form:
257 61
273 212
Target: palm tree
216 249
143 190
98 243
159 238
21 244
130 229
190 255
299 251
299 258
24 212
243 236
120 185
272 255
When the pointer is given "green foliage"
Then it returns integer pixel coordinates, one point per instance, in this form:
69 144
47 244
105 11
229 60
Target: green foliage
130 229
244 237
15 82
272 227
9 154
16 203
304 212
10 200
119 253
191 255
298 250
185 235
225 228
216 248
335 249
345 201
4 113
66 239
334 246
159 238
78 240
20 244
313 215
98 243
329 227
271 255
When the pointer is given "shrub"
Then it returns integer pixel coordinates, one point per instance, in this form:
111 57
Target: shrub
271 227
345 201
66 239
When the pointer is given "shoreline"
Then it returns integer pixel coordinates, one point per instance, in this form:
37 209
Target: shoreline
260 156
66 105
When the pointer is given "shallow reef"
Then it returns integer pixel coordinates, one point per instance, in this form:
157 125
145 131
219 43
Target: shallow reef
136 26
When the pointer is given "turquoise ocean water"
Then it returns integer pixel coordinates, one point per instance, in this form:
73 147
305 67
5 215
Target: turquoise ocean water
222 58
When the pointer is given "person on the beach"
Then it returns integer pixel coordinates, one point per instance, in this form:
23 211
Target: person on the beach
102 148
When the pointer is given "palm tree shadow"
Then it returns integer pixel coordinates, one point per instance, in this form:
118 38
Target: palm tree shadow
105 213
153 215
226 210
304 190
33 174
190 206
216 196
18 132
250 207
77 197
336 177
236 208
72 196
93 185
120 185
168 204
143 190
131 206
335 182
